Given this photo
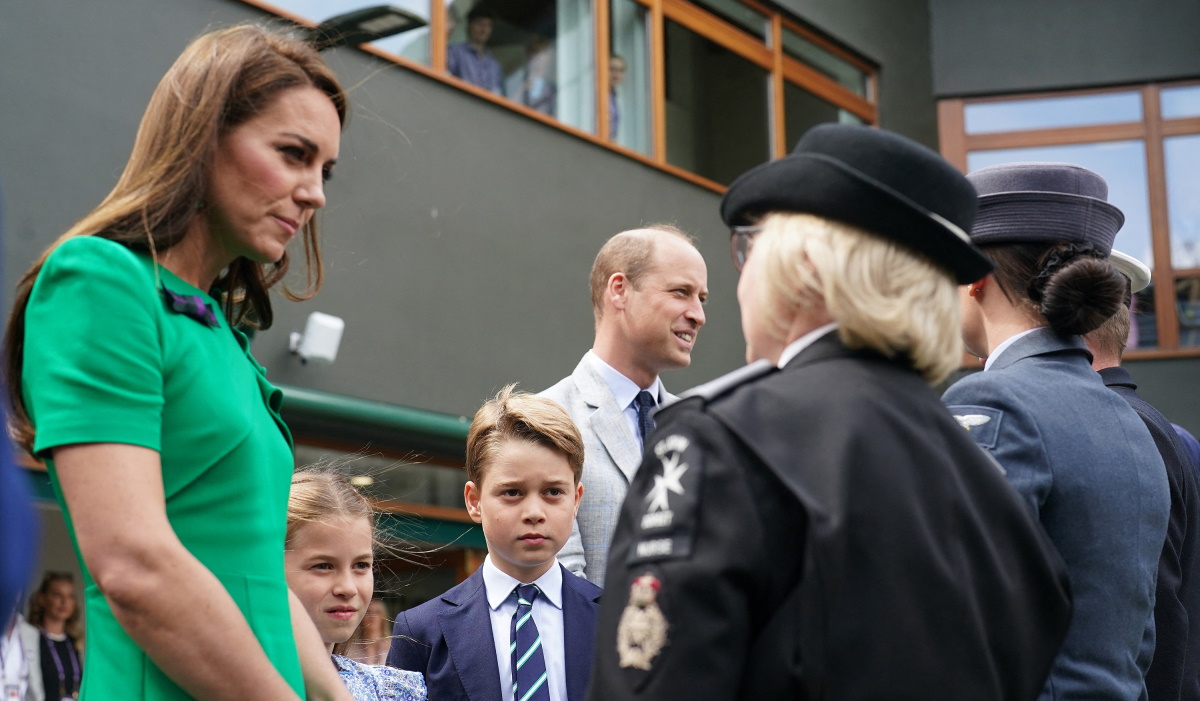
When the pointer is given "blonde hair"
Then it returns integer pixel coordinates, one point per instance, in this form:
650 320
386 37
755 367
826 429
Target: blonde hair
512 415
37 609
883 296
221 80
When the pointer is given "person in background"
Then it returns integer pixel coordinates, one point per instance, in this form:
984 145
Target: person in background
524 459
816 525
1191 445
471 60
1177 589
330 559
1077 452
128 374
370 643
55 612
616 76
20 677
648 289
535 85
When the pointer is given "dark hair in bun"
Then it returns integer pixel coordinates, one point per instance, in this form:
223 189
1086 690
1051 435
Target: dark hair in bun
1070 285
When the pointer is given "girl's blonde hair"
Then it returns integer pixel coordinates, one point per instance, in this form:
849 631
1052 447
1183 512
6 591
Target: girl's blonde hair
883 296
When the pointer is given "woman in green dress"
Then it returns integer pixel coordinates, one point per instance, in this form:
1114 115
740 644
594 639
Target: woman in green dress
129 377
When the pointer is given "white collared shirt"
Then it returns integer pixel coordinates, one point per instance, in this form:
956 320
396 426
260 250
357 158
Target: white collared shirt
795 347
625 390
1004 346
547 614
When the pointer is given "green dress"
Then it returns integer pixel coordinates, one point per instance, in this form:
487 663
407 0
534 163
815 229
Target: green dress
111 358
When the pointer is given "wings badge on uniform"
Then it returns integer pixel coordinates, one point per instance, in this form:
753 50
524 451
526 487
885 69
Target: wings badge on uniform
969 420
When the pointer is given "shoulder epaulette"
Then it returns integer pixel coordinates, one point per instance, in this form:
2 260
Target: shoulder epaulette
728 382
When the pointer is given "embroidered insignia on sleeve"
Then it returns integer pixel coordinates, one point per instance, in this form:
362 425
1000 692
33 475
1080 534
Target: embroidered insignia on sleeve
982 422
969 420
670 496
642 630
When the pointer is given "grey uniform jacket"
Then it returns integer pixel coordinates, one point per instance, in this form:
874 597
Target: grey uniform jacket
1088 467
611 458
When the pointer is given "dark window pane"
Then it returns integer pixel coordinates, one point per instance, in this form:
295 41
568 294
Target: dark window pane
1187 300
1181 102
736 13
1143 332
826 63
1183 201
802 110
1053 112
717 117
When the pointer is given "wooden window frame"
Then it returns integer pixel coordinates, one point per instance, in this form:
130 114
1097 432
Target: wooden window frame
767 53
956 143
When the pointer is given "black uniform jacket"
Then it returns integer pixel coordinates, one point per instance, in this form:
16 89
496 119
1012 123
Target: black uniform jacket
1175 671
825 531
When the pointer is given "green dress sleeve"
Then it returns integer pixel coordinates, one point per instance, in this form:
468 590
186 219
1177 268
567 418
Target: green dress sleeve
93 370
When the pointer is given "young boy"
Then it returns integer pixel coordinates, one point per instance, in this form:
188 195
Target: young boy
524 459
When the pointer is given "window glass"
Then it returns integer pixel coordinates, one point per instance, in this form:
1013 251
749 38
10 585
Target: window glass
1121 163
826 63
539 54
1187 301
802 110
1180 102
1143 327
741 15
412 44
1183 203
629 77
716 109
1053 112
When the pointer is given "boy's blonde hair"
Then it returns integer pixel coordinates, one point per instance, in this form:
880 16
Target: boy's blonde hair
512 415
883 296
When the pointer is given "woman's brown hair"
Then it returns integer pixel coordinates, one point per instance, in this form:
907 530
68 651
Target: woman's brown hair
220 81
37 610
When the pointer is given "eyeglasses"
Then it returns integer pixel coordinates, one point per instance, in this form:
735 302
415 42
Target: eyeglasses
741 240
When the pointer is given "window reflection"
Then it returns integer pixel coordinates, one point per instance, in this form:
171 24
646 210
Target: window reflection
1121 163
1143 331
826 63
1180 102
734 12
802 110
629 77
539 54
1183 205
1187 300
717 117
1052 113
412 44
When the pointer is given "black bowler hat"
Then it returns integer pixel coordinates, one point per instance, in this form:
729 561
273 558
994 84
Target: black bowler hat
1044 203
873 179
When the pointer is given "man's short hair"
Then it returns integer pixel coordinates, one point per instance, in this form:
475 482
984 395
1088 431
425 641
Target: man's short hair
480 12
629 252
512 415
1110 338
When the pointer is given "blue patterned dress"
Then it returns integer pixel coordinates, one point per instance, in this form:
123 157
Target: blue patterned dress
378 683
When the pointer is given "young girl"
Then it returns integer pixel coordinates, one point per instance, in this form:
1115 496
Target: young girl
54 611
329 561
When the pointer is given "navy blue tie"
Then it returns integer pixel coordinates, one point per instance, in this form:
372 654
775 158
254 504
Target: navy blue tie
644 403
528 663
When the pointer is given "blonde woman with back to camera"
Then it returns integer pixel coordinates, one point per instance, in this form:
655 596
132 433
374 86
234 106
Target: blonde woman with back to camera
129 377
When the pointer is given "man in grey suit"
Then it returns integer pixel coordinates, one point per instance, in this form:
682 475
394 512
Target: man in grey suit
648 290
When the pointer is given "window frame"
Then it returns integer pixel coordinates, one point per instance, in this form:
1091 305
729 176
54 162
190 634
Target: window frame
768 54
1152 130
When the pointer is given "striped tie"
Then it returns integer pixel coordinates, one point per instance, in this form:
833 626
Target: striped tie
528 664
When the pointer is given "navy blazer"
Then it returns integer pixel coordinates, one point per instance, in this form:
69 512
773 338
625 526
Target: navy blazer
1088 467
1173 672
449 640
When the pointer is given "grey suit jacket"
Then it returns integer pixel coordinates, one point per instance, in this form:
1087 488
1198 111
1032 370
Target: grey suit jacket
611 459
